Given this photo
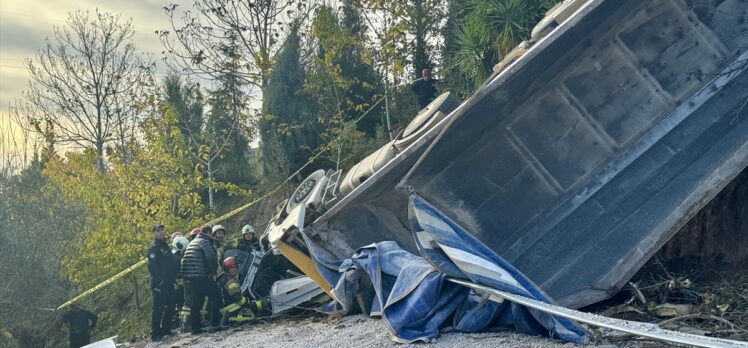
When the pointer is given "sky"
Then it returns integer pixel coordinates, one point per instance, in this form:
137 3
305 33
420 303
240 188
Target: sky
24 24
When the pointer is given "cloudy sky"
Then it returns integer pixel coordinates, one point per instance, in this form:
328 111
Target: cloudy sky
24 24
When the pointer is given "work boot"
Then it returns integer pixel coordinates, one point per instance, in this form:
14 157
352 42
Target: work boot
167 333
217 328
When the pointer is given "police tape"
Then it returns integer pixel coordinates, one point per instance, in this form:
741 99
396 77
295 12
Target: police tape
103 284
142 262
211 222
266 195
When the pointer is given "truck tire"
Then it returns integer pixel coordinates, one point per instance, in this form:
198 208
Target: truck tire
302 192
426 119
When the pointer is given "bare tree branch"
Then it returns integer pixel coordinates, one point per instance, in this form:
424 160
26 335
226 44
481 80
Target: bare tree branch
87 82
204 40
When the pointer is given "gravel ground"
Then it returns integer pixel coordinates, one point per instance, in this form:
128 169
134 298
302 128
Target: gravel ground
350 331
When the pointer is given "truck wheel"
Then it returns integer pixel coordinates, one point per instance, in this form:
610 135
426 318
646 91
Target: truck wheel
302 192
426 119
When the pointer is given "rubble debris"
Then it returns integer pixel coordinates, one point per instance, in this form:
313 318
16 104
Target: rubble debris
694 300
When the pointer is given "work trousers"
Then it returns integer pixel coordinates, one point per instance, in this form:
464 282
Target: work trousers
79 340
202 287
179 297
163 310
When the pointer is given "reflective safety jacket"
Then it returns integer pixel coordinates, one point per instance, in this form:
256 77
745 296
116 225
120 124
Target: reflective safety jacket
230 289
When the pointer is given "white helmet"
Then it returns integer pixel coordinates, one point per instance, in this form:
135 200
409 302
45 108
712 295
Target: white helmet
247 229
216 228
180 243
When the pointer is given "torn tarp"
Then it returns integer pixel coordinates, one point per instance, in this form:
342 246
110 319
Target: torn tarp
456 253
412 296
411 292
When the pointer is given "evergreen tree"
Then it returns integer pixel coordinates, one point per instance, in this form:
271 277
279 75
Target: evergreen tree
288 129
355 63
187 102
225 127
453 79
343 82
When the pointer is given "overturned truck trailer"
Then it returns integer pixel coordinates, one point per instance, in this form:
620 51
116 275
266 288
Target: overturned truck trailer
577 160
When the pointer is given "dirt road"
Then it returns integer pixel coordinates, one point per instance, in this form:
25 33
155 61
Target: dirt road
351 331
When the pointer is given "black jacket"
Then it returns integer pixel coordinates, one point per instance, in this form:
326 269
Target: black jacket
80 321
248 245
161 264
425 91
200 259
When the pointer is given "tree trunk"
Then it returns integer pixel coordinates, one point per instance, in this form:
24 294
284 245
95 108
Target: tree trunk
210 185
100 157
136 288
420 55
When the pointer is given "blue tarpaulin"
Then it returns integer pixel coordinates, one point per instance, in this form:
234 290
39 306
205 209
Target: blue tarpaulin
414 298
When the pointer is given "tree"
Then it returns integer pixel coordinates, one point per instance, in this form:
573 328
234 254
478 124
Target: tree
409 33
86 83
38 223
216 140
476 53
453 78
491 29
229 122
16 146
288 129
160 184
346 89
187 100
201 42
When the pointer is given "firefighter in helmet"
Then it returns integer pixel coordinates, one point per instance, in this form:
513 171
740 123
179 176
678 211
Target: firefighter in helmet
248 242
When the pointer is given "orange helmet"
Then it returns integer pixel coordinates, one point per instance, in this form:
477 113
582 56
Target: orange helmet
195 232
230 263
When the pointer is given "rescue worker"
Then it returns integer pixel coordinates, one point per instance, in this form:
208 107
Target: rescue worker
178 245
424 88
235 307
177 248
248 242
219 232
80 322
163 271
174 237
193 234
199 265
231 297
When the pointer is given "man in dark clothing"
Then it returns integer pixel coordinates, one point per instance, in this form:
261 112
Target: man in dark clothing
81 323
199 266
248 242
424 88
163 272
